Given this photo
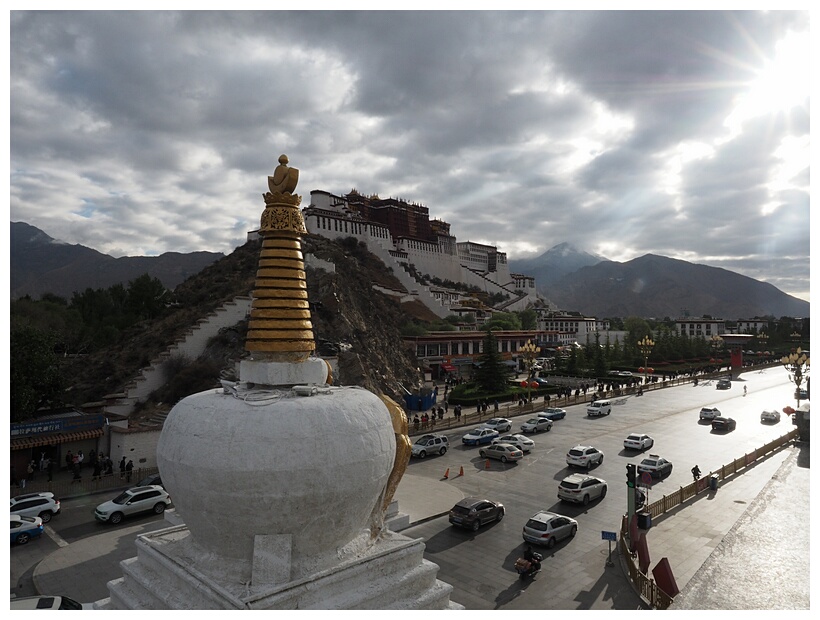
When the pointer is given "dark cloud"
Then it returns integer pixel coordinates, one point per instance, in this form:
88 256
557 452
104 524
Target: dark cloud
155 130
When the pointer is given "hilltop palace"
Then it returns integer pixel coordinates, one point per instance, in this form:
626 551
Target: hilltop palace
404 237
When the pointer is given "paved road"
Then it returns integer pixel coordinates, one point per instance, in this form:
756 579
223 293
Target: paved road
576 575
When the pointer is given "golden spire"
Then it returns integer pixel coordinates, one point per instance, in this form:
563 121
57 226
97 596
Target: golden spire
280 328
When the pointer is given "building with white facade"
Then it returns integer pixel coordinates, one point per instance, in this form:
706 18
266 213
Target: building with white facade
402 235
696 327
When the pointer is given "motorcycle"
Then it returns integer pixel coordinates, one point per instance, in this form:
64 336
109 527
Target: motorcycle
528 568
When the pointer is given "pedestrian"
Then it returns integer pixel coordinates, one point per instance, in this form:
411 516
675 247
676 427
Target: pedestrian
109 466
80 457
49 469
128 469
92 458
440 413
433 421
122 468
446 406
416 422
696 473
69 461
495 405
42 461
30 470
97 471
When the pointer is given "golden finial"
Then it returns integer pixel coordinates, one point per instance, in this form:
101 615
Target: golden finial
280 328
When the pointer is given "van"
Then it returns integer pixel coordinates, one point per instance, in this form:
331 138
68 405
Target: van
599 408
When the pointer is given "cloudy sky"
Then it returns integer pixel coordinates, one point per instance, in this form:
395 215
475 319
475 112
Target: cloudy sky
684 134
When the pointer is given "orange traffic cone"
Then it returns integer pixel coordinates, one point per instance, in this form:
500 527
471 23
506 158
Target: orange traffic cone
447 473
461 471
487 464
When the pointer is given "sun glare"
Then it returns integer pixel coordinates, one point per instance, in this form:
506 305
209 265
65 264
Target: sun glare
781 84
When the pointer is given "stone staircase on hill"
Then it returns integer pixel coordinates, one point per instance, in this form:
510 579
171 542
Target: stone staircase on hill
191 346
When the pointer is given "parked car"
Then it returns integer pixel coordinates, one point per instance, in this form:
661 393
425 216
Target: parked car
770 416
429 444
535 425
584 456
801 394
581 488
43 505
473 512
479 436
523 443
48 602
546 528
709 413
553 413
133 501
655 466
502 451
724 384
599 408
25 528
502 425
723 424
540 381
638 441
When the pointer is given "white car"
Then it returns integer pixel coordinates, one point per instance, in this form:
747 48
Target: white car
638 441
502 425
770 416
502 451
133 501
599 408
429 444
581 488
534 425
479 436
584 456
655 466
525 444
710 413
43 505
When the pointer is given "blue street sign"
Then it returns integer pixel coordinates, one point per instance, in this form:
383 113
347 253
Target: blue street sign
609 535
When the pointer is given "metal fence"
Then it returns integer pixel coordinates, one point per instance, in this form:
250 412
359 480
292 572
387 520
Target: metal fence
645 585
63 485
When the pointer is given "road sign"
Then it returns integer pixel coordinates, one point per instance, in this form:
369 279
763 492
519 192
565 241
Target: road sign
609 535
646 478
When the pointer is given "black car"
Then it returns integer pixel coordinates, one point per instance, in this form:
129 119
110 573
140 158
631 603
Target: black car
724 384
723 424
473 512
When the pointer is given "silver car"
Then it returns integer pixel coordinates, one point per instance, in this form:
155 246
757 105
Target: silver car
534 425
709 413
546 528
525 444
502 451
581 488
133 501
43 505
429 444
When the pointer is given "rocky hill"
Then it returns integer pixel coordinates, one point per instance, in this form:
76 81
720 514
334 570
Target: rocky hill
657 286
351 320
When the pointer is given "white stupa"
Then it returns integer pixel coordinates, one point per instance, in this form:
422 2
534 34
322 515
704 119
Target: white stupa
281 481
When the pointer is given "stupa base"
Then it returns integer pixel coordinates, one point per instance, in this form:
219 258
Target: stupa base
172 572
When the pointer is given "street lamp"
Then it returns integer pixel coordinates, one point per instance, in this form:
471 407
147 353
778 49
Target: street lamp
797 364
645 345
529 351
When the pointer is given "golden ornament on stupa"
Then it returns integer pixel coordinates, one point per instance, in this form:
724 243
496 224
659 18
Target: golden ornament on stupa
280 328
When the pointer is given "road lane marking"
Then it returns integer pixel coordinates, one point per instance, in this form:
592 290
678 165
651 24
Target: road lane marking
55 536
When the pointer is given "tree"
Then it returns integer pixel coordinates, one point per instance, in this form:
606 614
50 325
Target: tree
503 321
491 375
146 297
528 318
35 372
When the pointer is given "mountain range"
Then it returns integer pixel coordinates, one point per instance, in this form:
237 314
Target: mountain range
652 286
571 279
40 264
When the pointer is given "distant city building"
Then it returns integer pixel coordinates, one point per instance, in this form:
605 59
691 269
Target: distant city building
700 327
751 326
564 323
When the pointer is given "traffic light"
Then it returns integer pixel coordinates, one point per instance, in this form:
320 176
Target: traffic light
631 475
